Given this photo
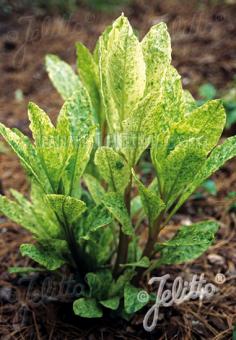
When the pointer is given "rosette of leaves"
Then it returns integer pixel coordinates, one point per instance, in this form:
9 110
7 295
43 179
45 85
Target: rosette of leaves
83 212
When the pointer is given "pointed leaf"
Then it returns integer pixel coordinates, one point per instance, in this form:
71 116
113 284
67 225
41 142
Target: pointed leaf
180 167
53 144
45 257
113 168
156 48
99 283
82 130
62 76
217 158
122 71
144 262
66 207
97 218
115 204
189 243
94 187
208 122
112 303
88 71
133 303
87 308
152 203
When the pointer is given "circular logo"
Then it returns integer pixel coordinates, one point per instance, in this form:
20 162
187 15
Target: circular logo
143 296
220 278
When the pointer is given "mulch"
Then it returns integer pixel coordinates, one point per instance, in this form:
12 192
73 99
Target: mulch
204 50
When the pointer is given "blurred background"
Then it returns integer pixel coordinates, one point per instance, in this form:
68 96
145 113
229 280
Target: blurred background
204 51
203 41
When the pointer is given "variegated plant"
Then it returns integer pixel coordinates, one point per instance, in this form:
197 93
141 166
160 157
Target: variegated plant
127 99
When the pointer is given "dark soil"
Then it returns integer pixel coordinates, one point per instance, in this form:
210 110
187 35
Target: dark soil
204 50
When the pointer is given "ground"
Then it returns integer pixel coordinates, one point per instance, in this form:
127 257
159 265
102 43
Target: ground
204 50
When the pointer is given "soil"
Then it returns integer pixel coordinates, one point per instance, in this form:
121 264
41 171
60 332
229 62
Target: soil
204 50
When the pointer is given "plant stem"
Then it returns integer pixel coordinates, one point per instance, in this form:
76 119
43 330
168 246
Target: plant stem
123 238
153 236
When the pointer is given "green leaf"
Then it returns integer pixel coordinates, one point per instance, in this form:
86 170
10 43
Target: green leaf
189 243
24 270
78 111
122 72
88 71
99 283
136 137
210 187
180 167
207 122
156 48
53 145
95 188
112 303
26 214
234 333
207 91
45 257
97 218
217 158
132 301
113 168
62 76
190 103
101 245
144 262
22 146
67 208
152 203
87 308
115 204
117 287
136 206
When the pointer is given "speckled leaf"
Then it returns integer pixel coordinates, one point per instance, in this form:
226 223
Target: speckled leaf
98 217
113 168
172 98
131 299
62 76
144 262
89 74
117 287
112 303
27 154
207 122
94 187
24 270
180 166
189 243
136 127
190 103
78 111
45 257
18 214
99 283
87 308
156 48
217 158
152 203
112 115
67 208
115 204
103 38
122 71
53 144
